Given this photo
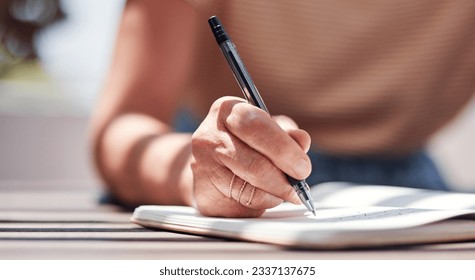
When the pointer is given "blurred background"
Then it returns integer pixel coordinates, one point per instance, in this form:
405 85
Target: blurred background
45 103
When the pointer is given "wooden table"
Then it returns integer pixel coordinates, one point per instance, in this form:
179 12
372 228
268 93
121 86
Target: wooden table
69 223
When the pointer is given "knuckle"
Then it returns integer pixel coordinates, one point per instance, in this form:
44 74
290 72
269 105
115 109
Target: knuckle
246 119
253 120
226 153
223 104
212 144
205 137
203 146
198 141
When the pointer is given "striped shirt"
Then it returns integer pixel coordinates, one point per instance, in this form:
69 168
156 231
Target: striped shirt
363 77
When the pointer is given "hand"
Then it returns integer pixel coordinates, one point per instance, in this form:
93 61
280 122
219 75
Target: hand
239 156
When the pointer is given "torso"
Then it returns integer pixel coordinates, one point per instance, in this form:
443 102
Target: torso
362 77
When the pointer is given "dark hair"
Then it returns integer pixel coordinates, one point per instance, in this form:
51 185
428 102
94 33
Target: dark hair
20 21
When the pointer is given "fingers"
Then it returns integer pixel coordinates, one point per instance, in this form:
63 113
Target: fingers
285 122
224 194
239 154
258 130
253 197
258 171
232 192
300 136
211 195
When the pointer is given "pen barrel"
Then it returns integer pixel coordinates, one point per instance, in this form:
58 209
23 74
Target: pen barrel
252 95
240 72
300 186
241 75
303 192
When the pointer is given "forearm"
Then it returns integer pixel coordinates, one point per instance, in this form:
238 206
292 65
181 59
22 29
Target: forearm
142 161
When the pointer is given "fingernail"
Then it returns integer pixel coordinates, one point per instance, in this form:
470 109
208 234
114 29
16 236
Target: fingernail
300 168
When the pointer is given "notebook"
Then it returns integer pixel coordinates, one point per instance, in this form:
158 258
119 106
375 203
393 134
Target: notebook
348 216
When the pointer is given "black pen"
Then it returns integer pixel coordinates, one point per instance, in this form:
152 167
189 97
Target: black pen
252 95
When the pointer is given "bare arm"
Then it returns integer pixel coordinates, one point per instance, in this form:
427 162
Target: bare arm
232 166
140 159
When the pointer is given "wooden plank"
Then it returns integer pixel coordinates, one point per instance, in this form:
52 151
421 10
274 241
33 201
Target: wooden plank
70 224
104 234
65 216
66 226
203 249
53 200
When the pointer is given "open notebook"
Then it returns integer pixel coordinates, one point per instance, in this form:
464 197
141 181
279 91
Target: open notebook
348 216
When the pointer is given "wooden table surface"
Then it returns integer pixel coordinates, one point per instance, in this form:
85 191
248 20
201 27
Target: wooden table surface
69 223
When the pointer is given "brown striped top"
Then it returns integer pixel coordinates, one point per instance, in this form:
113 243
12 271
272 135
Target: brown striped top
363 77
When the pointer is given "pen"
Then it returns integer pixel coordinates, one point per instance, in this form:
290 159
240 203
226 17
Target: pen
252 95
